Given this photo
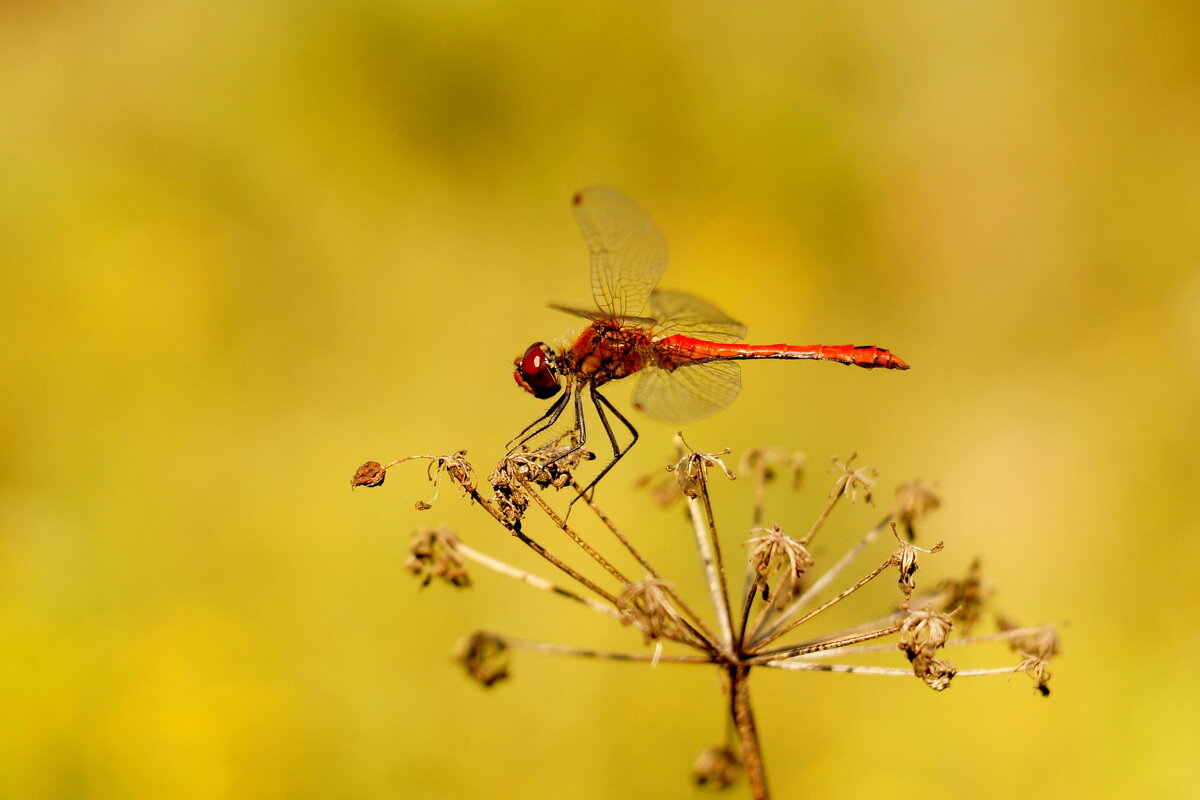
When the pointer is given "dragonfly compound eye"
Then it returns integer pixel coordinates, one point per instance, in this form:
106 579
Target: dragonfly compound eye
535 373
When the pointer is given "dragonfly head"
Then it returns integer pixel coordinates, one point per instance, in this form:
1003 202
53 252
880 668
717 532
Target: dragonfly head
535 371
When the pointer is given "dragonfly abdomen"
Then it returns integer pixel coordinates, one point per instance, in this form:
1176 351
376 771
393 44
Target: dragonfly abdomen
865 356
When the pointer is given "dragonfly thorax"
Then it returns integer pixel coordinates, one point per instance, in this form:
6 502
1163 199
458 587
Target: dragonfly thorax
606 351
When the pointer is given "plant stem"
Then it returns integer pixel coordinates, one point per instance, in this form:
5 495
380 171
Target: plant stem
743 721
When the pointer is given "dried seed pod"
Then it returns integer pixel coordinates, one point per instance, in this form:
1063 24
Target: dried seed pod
774 552
485 657
648 605
905 558
852 481
717 766
434 554
369 474
691 470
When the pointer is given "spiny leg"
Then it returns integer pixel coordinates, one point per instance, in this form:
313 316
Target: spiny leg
579 426
541 423
601 402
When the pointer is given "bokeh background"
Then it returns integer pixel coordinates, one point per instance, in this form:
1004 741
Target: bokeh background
246 247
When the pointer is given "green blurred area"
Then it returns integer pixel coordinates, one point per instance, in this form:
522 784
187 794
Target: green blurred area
245 248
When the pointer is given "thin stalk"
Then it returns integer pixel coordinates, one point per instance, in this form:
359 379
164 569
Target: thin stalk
715 583
535 581
462 475
608 655
959 642
870 576
562 524
806 666
608 523
760 502
716 549
693 621
747 604
820 584
825 512
841 645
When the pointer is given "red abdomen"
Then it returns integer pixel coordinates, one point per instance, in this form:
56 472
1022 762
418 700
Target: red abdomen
866 356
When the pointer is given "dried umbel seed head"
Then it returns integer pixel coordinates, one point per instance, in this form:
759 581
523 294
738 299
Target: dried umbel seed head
717 766
922 634
775 553
852 481
936 673
905 559
485 657
924 630
508 491
691 470
647 604
769 460
964 597
457 467
369 474
913 501
434 554
552 465
664 490
1036 648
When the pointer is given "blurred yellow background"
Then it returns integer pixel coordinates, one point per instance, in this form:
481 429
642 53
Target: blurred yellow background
246 247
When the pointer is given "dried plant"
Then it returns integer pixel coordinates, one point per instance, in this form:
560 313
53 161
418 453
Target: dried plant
777 597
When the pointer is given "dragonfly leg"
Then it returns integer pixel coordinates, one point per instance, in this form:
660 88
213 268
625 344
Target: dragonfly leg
601 402
579 427
541 423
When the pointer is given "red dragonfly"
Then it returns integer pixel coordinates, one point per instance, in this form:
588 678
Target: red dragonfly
683 348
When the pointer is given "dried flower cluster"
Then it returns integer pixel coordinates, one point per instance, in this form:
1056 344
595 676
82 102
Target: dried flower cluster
780 592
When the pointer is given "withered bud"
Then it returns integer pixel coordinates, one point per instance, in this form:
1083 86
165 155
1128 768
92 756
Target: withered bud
964 597
913 501
774 552
768 459
691 470
924 631
369 474
550 464
485 657
1036 648
421 505
508 491
852 481
905 559
718 766
663 490
647 605
434 554
457 467
936 673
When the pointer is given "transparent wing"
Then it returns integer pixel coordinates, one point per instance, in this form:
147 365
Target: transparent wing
629 253
595 316
679 312
689 392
